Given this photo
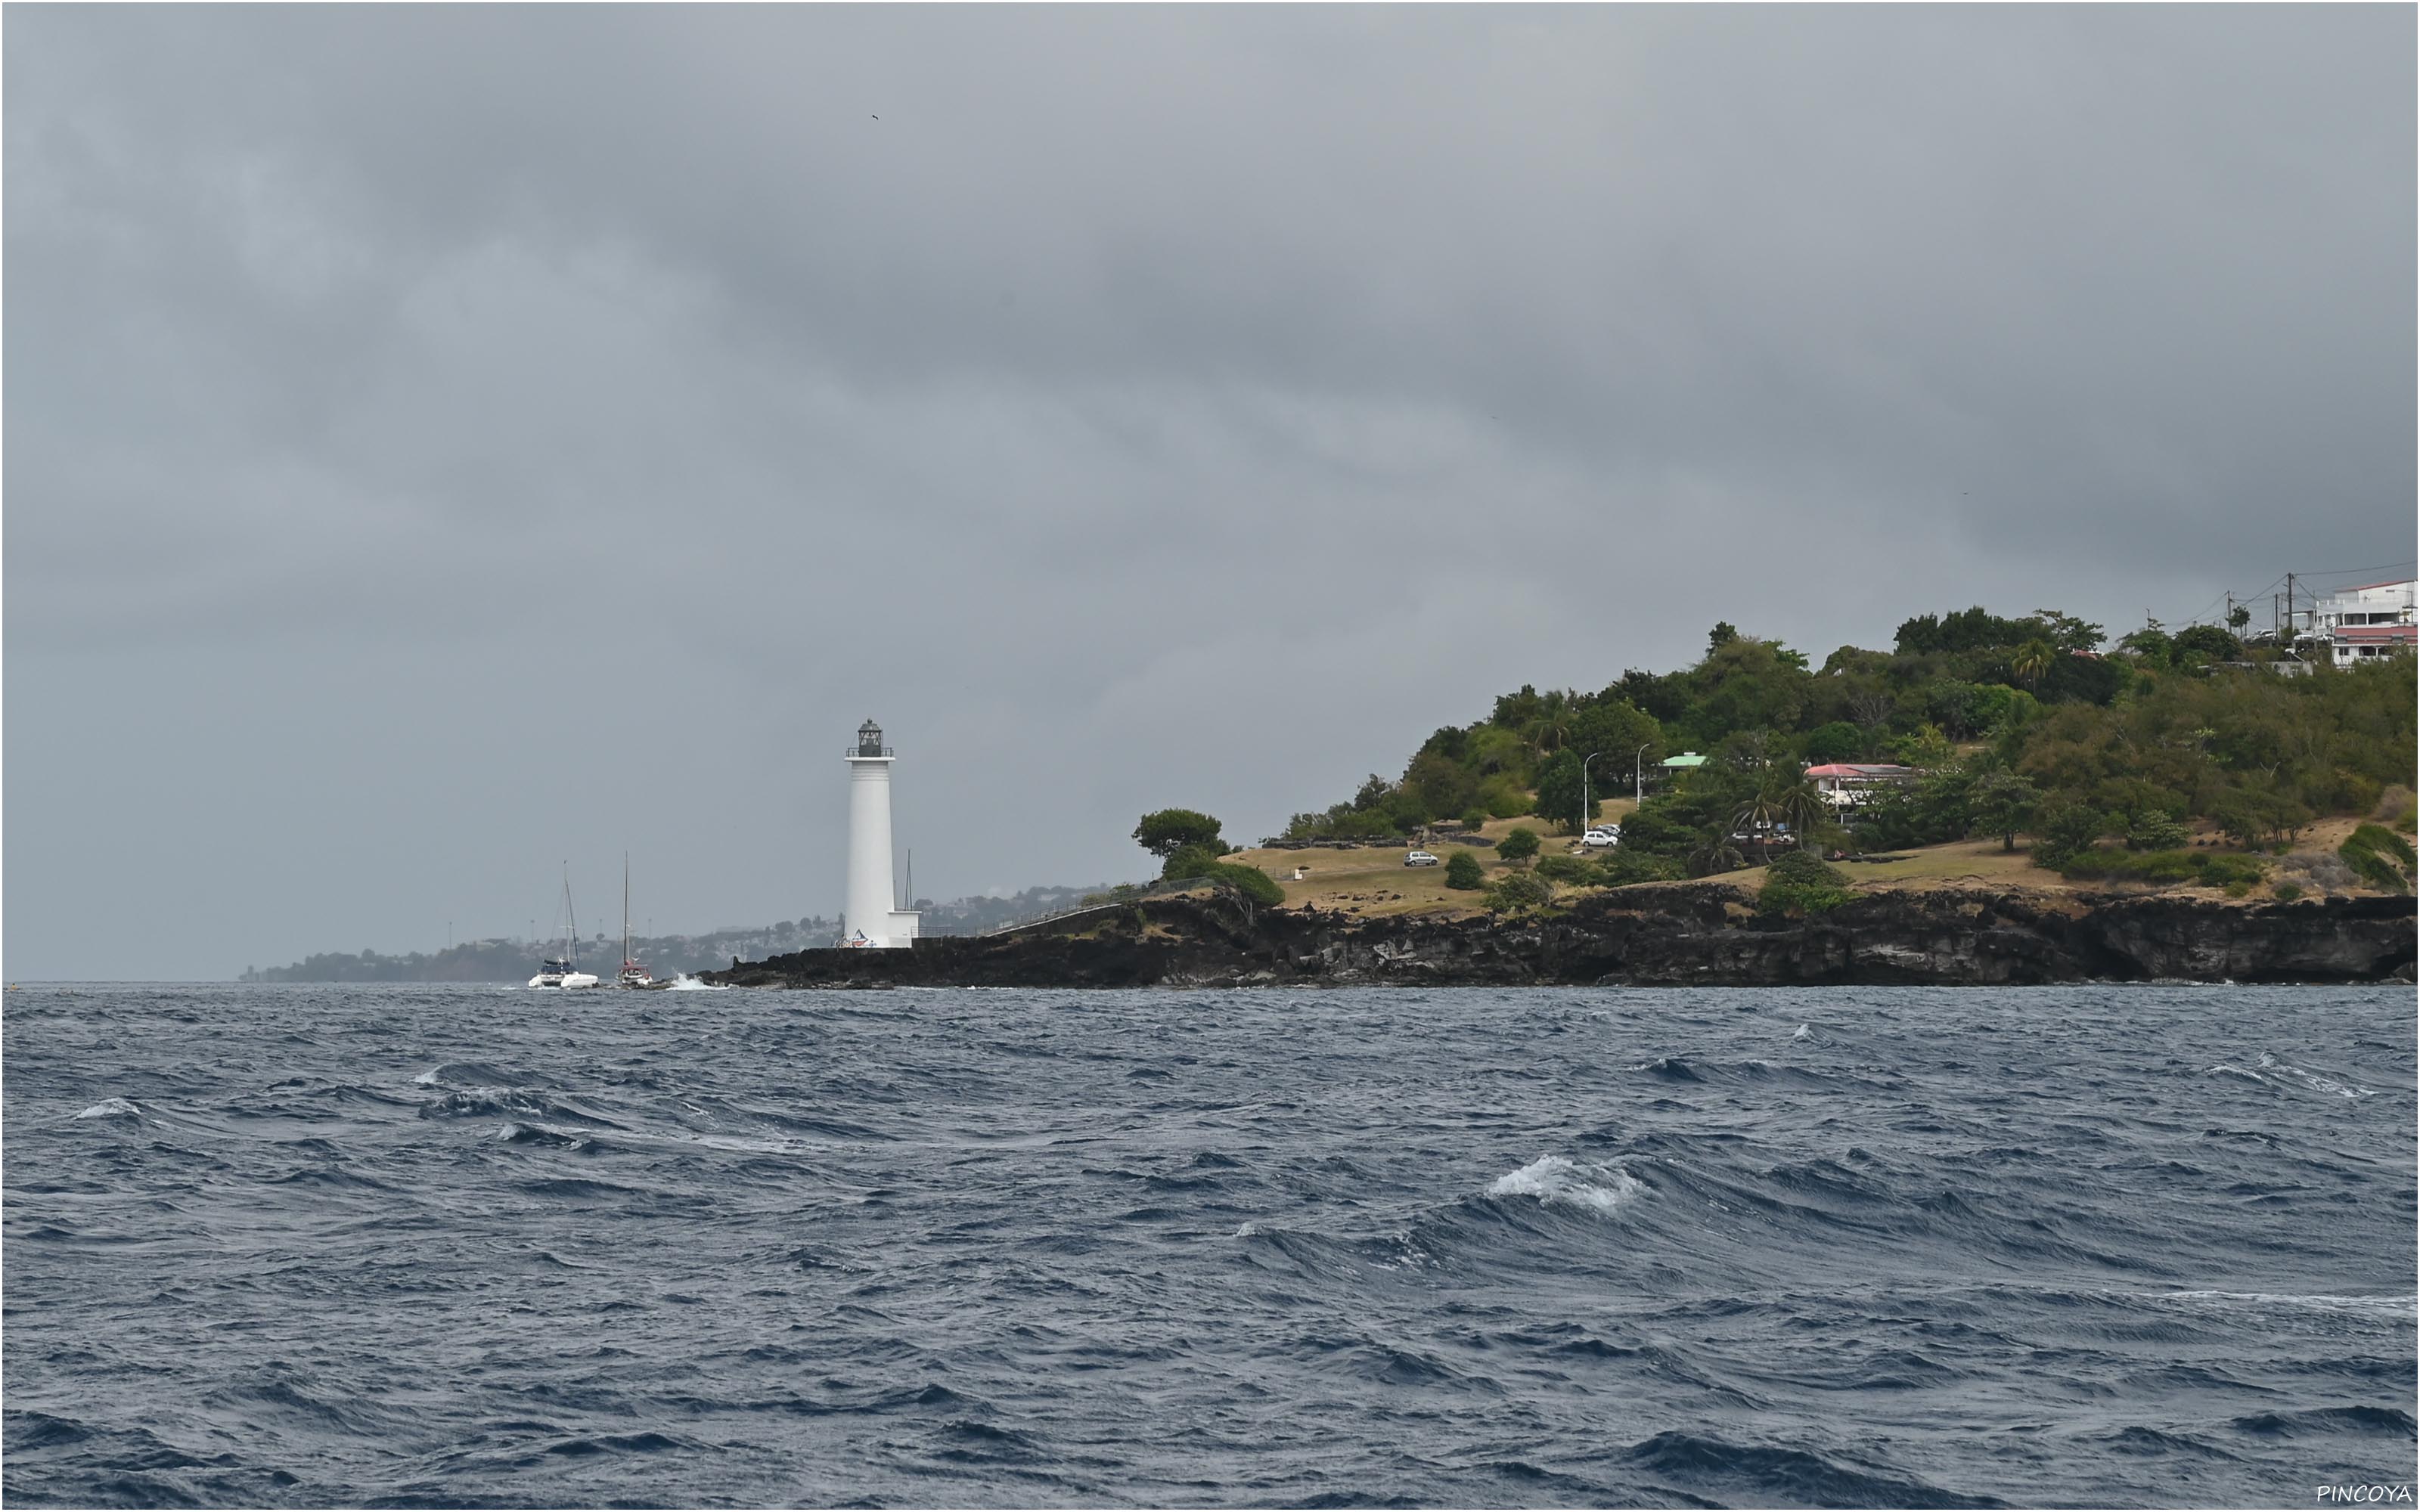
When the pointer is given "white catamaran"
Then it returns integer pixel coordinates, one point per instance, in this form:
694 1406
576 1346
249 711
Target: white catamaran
566 973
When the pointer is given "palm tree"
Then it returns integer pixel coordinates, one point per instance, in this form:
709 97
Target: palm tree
1803 808
1784 797
2032 659
1551 725
1716 853
1761 812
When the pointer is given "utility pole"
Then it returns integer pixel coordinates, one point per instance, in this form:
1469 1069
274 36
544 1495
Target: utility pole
2290 630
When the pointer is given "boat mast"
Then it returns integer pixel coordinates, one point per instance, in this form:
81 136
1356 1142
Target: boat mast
625 908
571 923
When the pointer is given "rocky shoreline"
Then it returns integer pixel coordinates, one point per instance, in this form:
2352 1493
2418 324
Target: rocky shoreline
1677 935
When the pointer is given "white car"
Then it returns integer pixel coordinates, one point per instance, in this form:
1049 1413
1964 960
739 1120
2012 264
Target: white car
1420 858
1599 838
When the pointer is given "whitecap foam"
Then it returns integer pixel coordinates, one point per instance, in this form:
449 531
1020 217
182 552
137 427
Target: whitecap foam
2321 1301
686 983
1802 1032
2271 1071
2317 1083
1556 1179
116 1107
427 1078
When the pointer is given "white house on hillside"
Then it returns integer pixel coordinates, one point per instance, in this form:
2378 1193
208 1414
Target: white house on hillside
2361 624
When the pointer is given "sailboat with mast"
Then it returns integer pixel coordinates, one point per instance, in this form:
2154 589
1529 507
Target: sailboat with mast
633 974
560 974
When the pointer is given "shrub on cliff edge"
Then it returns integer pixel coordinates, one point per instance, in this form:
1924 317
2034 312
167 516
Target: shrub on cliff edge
1800 884
2378 856
1520 893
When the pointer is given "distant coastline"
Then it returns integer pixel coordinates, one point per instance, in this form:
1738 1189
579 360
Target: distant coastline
513 960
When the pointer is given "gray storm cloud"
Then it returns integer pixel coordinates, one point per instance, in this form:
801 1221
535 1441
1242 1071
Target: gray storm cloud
446 441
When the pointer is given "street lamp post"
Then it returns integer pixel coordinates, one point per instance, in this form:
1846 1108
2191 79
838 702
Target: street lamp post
1585 812
1638 775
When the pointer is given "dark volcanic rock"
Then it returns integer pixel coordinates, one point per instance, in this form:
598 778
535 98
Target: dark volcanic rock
1657 937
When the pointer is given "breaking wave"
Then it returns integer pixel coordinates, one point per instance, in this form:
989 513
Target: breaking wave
1557 1179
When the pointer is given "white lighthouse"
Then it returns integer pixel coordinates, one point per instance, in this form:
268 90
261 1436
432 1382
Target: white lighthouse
874 917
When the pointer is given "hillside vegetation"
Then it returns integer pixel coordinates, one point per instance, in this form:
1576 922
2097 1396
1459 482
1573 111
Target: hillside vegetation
2167 758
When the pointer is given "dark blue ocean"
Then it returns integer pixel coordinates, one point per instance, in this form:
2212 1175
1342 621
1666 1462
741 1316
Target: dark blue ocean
2143 1245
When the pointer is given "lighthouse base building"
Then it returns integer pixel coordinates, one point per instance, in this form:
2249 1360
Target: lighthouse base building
871 917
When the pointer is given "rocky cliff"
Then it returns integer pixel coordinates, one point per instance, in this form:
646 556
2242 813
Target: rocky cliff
1658 936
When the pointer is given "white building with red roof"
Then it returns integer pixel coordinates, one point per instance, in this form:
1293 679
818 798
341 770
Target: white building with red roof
1854 784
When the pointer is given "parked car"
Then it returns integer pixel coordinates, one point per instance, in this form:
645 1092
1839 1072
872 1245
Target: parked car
1601 836
1420 858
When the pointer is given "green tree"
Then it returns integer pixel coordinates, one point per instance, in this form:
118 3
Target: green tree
1938 807
2149 643
1405 809
1498 751
1743 684
1518 846
2198 644
1464 873
2154 829
1443 785
1170 830
1514 710
2066 830
1558 792
1613 729
2003 803
1839 741
1654 831
1722 635
1190 861
1926 751
1503 798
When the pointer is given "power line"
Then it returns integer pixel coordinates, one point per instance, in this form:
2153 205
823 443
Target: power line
2272 585
2349 572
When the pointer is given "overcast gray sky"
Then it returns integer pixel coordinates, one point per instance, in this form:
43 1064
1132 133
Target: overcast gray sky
444 441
